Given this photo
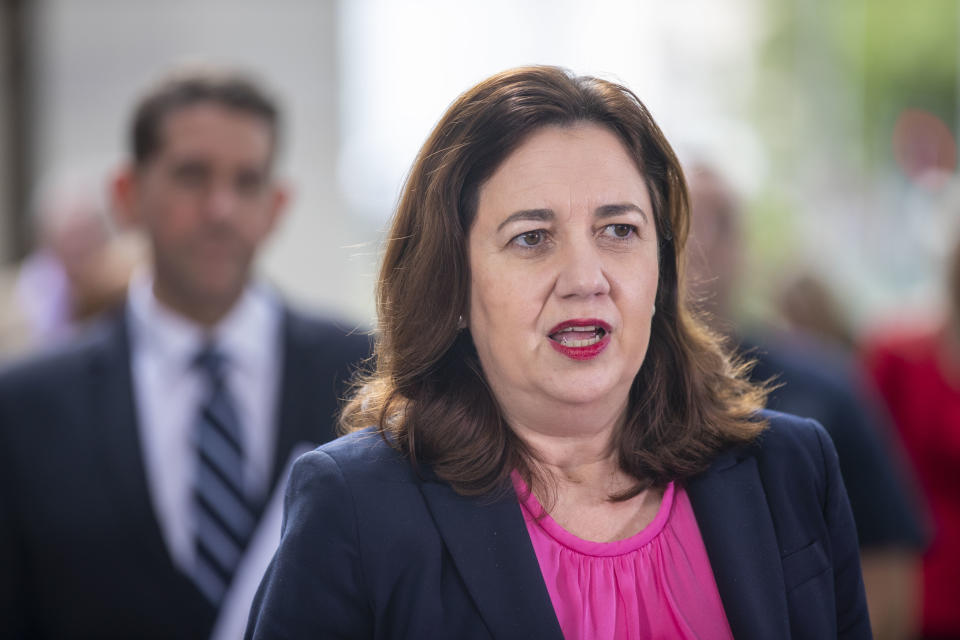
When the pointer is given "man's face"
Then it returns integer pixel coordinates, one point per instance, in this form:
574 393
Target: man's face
207 201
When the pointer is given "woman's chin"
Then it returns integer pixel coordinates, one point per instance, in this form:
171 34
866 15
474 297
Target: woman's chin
589 392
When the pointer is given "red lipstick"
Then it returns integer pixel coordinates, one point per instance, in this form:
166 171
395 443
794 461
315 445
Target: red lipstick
581 338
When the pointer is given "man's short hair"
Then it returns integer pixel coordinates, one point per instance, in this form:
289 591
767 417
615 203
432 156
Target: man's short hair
229 89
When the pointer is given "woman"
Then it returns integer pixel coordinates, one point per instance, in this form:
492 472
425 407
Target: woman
558 449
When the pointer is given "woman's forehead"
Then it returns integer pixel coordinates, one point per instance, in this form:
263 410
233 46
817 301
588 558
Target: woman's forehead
554 167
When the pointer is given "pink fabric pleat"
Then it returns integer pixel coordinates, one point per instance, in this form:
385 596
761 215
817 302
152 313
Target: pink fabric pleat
655 584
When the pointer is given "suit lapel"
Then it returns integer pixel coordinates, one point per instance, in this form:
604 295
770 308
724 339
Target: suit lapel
737 530
117 437
292 407
490 547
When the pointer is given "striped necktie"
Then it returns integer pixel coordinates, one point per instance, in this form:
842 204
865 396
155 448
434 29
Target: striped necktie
224 517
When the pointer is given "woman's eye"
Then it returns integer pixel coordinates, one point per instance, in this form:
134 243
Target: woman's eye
619 231
530 238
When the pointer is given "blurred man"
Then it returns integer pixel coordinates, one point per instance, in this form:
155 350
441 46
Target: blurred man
819 384
135 465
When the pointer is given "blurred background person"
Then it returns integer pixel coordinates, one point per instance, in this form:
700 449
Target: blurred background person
137 463
78 271
816 379
807 304
916 367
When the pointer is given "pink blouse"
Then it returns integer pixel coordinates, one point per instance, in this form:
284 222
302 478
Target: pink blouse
656 584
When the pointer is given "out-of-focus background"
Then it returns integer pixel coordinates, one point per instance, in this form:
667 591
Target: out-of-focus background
836 121
820 136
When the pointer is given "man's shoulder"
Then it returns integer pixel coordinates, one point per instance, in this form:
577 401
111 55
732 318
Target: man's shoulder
314 323
55 368
805 366
306 329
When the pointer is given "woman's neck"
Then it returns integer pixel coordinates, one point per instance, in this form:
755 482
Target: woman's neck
578 477
577 458
580 471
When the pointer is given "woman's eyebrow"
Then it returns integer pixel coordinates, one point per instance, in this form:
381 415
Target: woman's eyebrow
541 215
610 210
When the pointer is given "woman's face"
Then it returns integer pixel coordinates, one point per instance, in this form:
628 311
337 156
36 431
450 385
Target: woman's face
563 263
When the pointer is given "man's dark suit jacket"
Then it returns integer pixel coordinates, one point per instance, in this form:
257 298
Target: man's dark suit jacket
372 550
81 551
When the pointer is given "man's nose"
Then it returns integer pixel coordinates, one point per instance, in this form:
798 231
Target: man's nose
581 271
221 202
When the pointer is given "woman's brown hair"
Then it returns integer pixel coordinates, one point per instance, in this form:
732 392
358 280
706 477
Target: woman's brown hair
428 395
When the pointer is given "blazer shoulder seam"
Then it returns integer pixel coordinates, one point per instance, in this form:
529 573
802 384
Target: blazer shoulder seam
356 524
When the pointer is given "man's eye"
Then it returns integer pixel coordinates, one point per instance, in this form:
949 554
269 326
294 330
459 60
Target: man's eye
530 238
249 183
619 231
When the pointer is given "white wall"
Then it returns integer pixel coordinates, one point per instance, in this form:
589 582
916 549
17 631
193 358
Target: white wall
403 63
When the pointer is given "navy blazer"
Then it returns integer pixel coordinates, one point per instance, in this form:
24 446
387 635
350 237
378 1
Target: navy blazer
82 554
371 549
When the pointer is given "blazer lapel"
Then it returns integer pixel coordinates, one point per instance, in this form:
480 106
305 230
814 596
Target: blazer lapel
116 435
737 530
491 549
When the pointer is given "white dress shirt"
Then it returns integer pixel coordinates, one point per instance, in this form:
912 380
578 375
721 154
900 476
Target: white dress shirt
168 391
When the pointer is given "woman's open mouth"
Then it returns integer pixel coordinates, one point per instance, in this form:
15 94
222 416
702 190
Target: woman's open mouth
580 339
579 336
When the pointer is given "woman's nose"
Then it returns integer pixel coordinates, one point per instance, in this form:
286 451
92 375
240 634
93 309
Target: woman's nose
581 271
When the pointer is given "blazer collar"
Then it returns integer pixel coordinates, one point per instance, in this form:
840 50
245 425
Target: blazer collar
488 541
737 530
490 547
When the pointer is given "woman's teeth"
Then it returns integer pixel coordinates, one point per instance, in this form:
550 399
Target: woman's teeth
579 336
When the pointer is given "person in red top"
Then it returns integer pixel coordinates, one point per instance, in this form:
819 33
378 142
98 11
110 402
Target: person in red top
917 371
